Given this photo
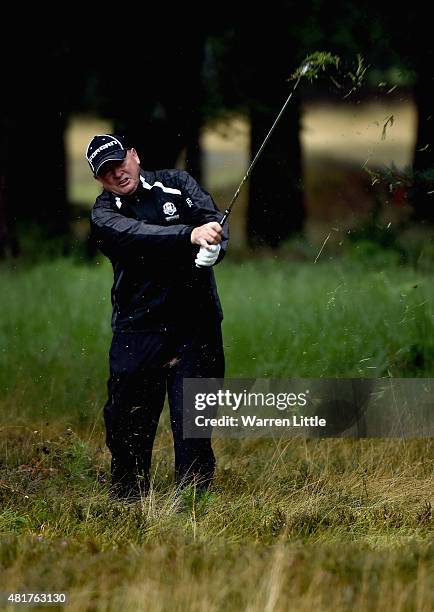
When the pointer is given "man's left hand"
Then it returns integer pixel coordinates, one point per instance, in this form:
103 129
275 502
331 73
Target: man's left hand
207 256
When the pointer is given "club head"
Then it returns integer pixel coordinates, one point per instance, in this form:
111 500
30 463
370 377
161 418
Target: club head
304 68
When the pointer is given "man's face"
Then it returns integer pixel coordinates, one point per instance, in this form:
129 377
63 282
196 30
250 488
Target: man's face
121 177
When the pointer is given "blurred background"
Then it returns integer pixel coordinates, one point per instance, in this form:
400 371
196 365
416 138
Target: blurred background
351 159
328 275
330 262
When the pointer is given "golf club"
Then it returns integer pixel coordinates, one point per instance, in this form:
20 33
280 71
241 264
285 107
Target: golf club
309 68
303 70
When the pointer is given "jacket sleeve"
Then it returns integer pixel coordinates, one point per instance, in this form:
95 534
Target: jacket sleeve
122 237
202 208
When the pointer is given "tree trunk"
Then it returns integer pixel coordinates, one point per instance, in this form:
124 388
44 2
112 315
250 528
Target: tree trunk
194 153
163 119
33 152
423 165
8 236
39 193
276 207
193 114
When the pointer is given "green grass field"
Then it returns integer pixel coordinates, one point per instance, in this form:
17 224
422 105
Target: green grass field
292 524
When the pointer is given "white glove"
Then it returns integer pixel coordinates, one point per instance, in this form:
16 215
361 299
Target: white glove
207 256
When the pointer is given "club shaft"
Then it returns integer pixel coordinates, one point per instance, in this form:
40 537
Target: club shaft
255 159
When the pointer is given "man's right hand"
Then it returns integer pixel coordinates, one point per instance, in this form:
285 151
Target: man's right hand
207 234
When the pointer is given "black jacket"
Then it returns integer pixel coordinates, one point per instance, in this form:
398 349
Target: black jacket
147 237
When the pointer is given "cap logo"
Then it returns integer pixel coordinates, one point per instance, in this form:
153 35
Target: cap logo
101 148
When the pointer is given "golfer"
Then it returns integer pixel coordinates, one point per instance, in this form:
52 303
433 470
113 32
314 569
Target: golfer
161 233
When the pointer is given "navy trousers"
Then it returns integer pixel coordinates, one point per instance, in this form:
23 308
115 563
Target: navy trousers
143 367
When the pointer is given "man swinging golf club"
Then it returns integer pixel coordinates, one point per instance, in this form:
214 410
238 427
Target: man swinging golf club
161 233
166 314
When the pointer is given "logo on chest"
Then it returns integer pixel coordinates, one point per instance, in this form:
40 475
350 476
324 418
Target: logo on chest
170 211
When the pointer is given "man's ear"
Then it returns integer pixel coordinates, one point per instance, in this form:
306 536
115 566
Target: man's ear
135 155
98 178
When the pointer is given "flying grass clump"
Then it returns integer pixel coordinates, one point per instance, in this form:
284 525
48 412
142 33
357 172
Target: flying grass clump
314 64
310 68
324 61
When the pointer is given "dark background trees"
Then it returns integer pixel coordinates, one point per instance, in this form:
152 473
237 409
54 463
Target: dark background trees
163 76
409 43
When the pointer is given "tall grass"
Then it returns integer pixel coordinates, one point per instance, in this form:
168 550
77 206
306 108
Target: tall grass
291 524
282 319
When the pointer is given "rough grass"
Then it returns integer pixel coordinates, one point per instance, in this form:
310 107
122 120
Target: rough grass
295 524
282 319
291 524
